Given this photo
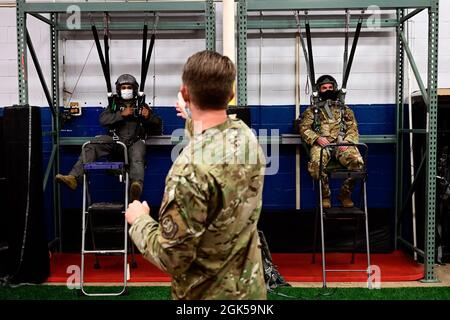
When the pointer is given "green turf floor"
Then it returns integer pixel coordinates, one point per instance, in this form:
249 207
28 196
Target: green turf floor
44 292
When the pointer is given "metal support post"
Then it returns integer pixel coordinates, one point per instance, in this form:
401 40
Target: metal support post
210 25
242 53
22 52
399 126
431 145
54 58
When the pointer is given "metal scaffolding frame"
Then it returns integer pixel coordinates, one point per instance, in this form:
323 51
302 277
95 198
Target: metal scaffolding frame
24 8
429 93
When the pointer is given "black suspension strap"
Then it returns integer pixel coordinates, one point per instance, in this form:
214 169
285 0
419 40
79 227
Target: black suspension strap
310 53
352 54
347 23
145 62
105 68
148 55
106 45
144 52
302 42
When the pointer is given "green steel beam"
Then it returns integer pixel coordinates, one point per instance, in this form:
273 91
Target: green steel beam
210 25
173 25
415 70
167 6
285 139
423 131
155 140
42 18
295 139
261 5
317 24
411 14
430 203
412 247
400 77
49 167
22 70
188 25
386 138
54 58
73 141
242 53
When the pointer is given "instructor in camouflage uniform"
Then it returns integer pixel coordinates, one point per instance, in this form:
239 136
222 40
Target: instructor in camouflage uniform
331 122
206 237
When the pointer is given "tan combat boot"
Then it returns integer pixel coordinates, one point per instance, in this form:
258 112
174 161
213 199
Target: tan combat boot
68 180
346 200
135 191
326 203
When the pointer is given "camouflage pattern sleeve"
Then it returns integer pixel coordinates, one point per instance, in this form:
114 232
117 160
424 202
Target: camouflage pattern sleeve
306 127
189 128
351 135
144 233
172 244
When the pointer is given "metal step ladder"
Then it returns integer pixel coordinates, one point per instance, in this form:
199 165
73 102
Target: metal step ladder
354 214
89 210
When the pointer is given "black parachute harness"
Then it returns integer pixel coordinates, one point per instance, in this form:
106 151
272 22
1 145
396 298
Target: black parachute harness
317 123
145 62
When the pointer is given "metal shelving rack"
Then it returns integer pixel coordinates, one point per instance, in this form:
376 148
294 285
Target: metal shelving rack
429 94
244 6
56 10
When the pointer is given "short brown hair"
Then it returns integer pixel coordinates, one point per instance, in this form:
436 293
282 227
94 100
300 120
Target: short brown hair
209 77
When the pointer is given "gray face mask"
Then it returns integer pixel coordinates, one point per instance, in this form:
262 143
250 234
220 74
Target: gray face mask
126 94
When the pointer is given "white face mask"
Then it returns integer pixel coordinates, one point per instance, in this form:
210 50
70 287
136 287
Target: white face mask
126 94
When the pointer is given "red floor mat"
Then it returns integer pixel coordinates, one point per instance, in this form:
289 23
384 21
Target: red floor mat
395 266
111 269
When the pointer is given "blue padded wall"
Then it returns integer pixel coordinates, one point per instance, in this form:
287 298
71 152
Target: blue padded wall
279 189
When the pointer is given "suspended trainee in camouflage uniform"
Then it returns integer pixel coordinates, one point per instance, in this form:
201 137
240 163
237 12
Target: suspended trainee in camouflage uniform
319 122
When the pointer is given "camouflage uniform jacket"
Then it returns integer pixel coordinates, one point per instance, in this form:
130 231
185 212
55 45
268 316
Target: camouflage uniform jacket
207 237
328 128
